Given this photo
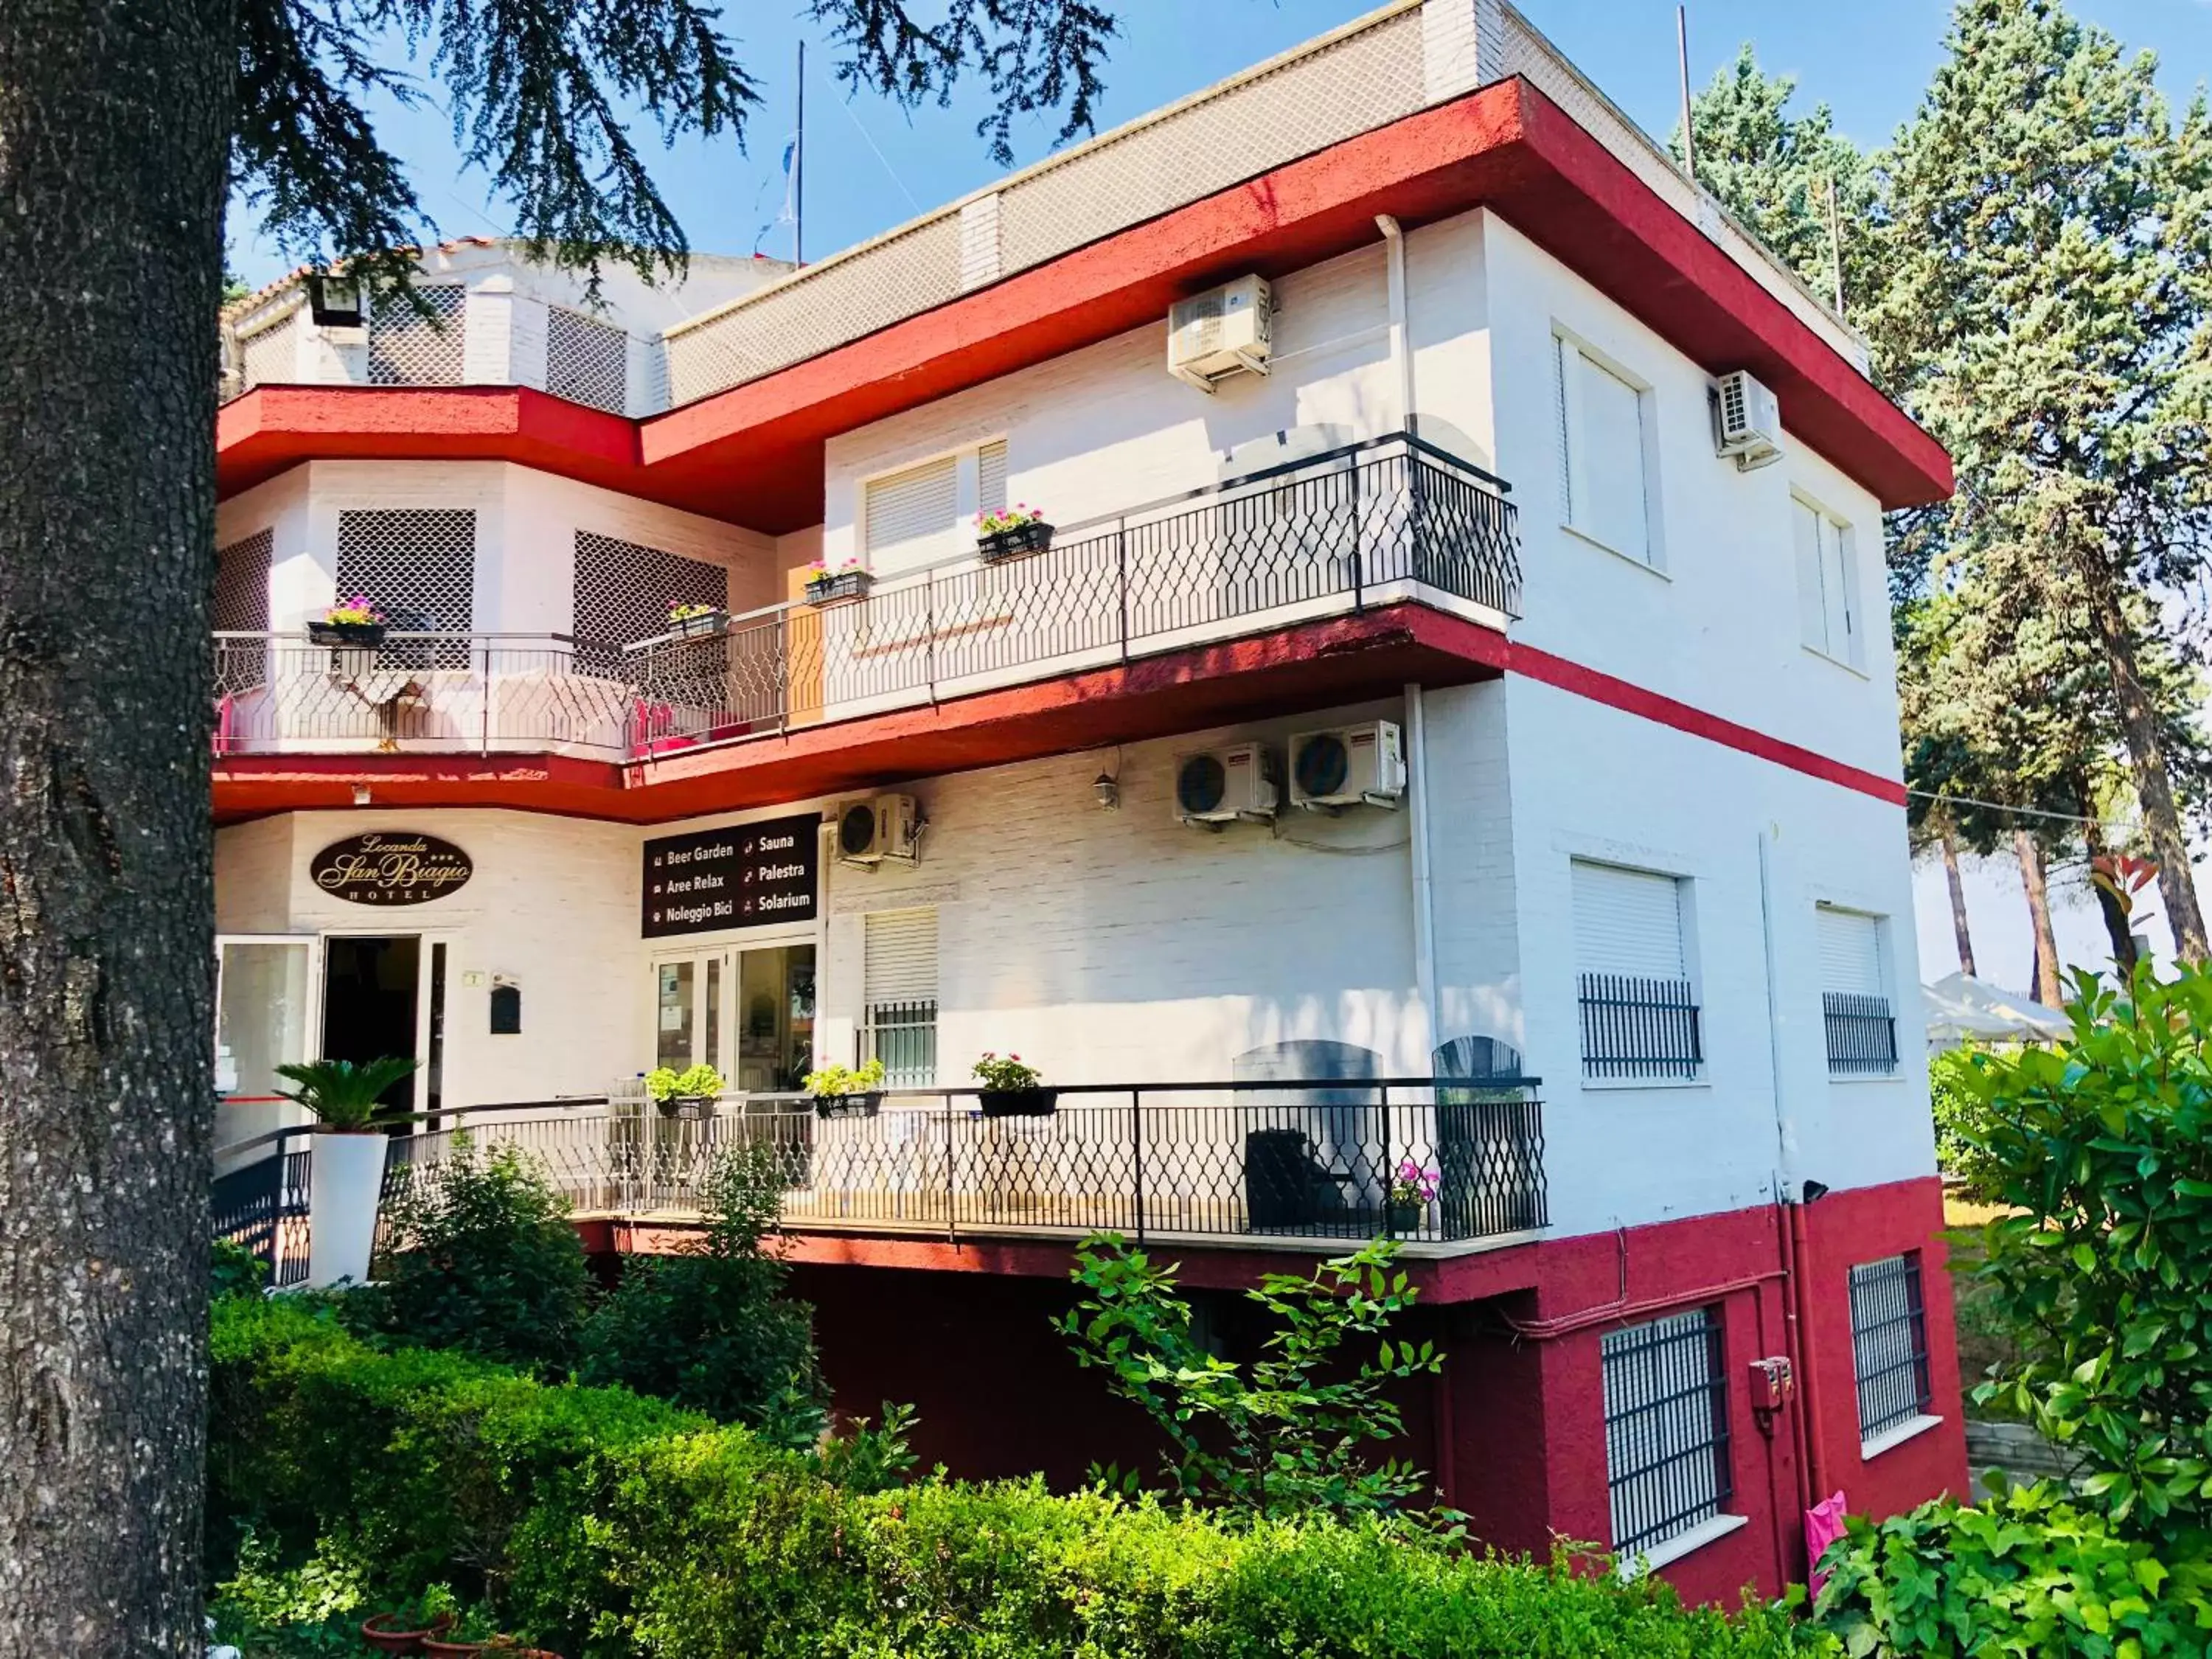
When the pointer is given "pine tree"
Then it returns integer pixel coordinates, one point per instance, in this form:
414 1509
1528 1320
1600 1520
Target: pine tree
124 127
2047 244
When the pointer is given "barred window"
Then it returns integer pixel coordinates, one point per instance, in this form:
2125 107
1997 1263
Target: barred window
1639 1010
241 585
621 592
899 996
1862 1027
1889 1343
1666 1428
418 566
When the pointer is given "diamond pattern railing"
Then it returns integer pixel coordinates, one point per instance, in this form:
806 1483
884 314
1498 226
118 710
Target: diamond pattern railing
1329 1161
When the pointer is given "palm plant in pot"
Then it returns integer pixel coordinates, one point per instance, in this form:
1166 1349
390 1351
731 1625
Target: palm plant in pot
346 1165
689 1093
1012 1089
847 1091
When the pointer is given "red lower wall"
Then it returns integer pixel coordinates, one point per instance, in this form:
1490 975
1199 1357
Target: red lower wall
1514 1430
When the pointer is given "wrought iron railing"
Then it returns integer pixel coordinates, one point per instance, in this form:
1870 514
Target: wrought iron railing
1636 1027
1363 524
1861 1034
263 1205
1325 1161
418 692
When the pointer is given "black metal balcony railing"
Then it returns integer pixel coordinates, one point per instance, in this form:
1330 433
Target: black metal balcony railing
263 1205
1640 1027
1861 1034
1440 1163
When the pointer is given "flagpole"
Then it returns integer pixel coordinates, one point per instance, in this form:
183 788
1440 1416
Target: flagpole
799 170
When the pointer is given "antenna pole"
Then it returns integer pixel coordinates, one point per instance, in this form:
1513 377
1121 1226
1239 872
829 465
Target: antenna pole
1682 54
799 170
1836 244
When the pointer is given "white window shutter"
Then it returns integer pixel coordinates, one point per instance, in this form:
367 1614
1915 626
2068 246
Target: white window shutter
1812 600
1628 922
1837 584
901 960
1850 952
991 478
1564 356
1614 484
910 515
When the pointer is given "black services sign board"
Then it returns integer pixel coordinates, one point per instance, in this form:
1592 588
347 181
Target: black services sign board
749 875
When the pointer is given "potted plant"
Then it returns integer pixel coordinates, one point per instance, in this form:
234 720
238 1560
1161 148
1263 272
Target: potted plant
695 621
1010 532
849 581
689 1093
1412 1189
349 621
1009 1089
843 1091
405 1630
345 1179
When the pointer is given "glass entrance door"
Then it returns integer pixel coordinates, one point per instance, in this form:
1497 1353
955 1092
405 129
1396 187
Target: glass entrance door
687 1004
749 1014
264 1001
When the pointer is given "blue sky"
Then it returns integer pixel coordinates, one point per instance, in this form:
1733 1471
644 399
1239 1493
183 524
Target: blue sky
870 165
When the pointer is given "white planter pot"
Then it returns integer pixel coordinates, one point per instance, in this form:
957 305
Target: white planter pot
346 1182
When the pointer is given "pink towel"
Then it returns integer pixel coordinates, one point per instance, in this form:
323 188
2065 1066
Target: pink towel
1824 1524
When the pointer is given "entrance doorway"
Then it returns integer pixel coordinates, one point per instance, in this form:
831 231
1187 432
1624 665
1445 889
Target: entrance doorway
371 994
749 1014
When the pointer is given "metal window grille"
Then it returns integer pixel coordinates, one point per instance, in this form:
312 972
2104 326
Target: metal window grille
622 591
1889 1343
1666 1428
269 356
406 348
417 565
903 1035
586 361
1640 1027
240 604
1862 1033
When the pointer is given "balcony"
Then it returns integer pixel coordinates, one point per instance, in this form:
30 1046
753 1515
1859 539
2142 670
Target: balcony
1349 533
1321 1165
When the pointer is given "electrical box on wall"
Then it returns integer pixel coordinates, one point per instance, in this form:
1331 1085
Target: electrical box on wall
1772 1384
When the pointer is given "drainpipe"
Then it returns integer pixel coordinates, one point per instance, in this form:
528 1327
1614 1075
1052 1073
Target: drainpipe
1789 1214
1402 352
1416 813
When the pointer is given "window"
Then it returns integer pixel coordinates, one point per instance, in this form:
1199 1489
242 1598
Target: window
1639 1010
1855 994
1666 1428
418 566
1604 485
991 478
1827 586
412 344
899 996
1889 1344
620 592
586 361
910 515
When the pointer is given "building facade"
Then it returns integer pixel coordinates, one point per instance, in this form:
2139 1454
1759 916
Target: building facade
1422 786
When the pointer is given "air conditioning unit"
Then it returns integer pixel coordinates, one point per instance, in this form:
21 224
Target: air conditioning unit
1348 766
1747 422
1225 331
884 826
1220 786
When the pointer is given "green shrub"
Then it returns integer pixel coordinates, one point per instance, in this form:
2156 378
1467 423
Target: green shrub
1294 1433
1955 1106
235 1271
483 1257
609 1526
2026 1574
2103 1148
711 1329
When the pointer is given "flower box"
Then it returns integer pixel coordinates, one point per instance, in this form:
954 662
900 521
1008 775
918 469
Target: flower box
696 1107
1019 1103
1018 542
861 1105
345 633
705 625
838 585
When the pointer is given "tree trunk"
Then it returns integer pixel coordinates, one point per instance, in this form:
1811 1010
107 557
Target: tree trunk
2117 927
1958 928
114 122
2147 765
2030 852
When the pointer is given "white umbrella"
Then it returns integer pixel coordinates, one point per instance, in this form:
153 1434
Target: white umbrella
1960 1009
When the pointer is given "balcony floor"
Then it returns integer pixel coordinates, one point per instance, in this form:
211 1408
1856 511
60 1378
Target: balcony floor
1284 671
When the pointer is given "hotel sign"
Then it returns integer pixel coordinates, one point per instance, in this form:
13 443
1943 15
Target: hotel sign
750 875
390 866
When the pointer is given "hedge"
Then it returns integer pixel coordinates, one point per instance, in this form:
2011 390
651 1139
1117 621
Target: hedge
605 1525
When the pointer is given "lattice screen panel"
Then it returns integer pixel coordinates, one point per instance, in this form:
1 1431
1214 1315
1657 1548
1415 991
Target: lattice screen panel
418 566
586 361
622 592
405 347
271 356
240 605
